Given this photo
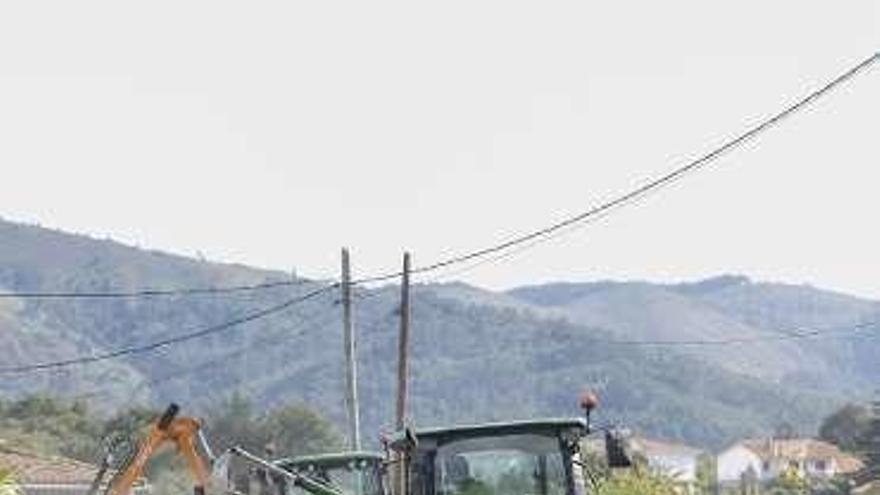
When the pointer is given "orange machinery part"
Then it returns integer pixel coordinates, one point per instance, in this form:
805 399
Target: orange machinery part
180 432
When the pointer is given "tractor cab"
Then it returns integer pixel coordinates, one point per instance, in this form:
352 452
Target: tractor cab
350 473
534 457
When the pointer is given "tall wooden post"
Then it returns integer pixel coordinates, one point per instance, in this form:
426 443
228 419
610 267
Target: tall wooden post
351 395
403 345
402 478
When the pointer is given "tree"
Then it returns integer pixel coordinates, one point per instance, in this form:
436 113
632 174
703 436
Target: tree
847 427
130 422
296 430
292 429
870 443
234 423
55 426
789 482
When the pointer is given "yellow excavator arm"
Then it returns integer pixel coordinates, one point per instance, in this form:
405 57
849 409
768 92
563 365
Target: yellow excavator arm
179 431
182 432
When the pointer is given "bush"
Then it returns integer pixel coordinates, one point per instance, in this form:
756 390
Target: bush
8 486
638 481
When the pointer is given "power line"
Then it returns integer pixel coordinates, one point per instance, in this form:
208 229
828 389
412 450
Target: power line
184 372
312 324
648 187
778 335
525 240
505 255
837 332
783 335
256 315
153 292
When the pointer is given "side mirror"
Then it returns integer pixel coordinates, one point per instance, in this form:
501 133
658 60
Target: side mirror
616 450
412 441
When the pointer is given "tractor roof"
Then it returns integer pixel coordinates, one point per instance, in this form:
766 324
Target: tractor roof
545 426
331 460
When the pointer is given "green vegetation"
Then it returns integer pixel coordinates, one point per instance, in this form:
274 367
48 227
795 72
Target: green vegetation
848 427
52 426
855 428
291 430
789 483
8 485
637 481
49 426
871 441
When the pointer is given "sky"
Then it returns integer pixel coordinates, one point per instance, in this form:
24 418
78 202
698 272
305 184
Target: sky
273 133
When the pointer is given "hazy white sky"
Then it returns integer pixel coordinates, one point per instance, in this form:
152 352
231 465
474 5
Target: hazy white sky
272 133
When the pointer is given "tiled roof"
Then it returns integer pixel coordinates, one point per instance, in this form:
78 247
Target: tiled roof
802 449
657 447
847 464
33 469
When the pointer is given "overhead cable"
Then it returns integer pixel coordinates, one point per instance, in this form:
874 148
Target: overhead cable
837 332
285 334
256 315
151 292
529 239
648 187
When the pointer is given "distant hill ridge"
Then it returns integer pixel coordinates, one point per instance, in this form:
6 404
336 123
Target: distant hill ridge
477 354
63 256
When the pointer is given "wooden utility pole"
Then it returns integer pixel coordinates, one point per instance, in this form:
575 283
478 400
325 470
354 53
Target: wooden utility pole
351 396
401 484
403 345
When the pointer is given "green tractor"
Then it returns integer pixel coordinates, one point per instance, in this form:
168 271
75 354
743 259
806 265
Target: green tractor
533 457
350 473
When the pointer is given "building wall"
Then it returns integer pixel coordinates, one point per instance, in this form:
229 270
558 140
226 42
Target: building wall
735 461
814 468
827 468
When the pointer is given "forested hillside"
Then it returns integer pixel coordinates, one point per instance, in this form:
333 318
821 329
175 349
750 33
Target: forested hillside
799 336
477 355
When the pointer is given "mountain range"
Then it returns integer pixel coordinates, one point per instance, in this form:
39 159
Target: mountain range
705 362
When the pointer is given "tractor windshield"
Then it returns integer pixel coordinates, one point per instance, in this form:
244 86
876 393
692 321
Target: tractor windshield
507 465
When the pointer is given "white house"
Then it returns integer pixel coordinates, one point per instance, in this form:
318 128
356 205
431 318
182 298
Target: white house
675 459
766 459
736 463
